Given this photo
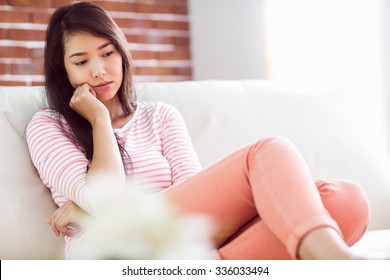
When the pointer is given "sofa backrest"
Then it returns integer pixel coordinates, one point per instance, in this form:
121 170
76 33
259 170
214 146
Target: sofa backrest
339 134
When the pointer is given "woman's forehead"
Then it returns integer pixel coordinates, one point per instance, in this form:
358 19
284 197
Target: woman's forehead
82 41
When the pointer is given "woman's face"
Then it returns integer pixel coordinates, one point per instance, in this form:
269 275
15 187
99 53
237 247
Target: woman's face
95 61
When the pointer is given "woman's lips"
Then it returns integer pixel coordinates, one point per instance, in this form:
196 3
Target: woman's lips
104 85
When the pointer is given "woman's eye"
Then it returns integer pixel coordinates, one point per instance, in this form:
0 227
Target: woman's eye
81 62
108 53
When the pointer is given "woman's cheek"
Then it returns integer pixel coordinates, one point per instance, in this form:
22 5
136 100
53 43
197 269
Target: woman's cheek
70 75
75 80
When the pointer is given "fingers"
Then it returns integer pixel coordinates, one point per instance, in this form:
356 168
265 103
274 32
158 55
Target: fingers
85 88
91 90
61 220
82 91
68 219
58 223
85 102
70 232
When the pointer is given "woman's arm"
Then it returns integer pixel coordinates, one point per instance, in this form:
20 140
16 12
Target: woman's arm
177 145
62 164
106 159
64 168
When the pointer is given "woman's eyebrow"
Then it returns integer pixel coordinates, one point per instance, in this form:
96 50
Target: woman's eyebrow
104 45
84 53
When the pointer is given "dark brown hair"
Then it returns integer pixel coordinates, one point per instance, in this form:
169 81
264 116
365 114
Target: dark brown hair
67 20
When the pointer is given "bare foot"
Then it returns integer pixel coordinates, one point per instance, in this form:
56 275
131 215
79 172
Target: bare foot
325 244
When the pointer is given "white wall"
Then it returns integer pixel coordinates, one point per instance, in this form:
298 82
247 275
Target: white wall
334 44
226 39
385 24
328 43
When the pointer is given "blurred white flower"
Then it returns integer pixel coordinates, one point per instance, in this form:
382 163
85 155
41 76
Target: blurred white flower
132 223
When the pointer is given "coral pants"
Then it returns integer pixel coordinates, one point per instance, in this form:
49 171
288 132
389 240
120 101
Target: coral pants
264 201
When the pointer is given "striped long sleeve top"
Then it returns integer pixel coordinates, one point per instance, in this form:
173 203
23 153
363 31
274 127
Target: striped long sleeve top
156 140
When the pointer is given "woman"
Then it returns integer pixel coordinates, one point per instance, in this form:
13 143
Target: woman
265 201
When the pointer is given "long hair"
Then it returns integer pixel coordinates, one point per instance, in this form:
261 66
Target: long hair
67 20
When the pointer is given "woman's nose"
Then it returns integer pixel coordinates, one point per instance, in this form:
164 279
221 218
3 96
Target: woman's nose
98 69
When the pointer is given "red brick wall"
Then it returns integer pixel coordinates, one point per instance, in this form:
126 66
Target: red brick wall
157 32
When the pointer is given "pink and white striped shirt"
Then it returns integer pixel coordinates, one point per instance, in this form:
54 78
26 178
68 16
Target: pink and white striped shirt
156 139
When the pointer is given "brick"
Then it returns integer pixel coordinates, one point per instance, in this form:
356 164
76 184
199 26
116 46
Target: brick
25 35
136 54
175 6
181 42
152 8
181 10
59 3
156 71
183 71
13 83
16 52
116 6
38 83
155 39
3 68
175 55
133 23
171 25
142 23
164 8
149 39
178 3
33 68
29 3
132 38
36 53
123 22
41 17
13 16
3 34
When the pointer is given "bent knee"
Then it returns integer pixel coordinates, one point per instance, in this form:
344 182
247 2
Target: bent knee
275 140
274 143
347 203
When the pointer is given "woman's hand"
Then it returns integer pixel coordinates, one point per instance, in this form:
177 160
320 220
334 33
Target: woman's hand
86 104
69 217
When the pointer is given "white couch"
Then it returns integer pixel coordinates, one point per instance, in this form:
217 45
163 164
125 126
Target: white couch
221 116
